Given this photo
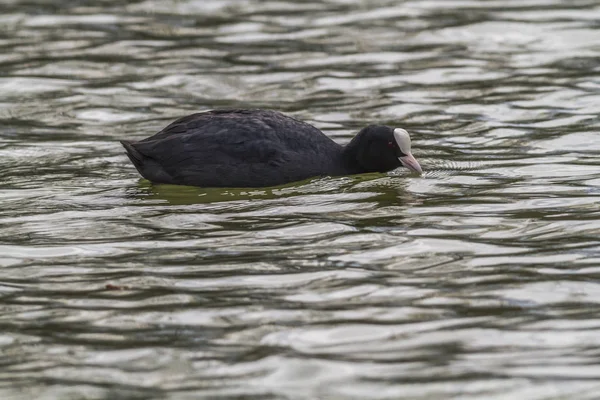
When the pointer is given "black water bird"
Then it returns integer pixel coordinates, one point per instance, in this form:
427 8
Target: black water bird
259 148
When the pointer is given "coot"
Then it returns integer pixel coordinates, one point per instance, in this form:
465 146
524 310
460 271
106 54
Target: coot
258 148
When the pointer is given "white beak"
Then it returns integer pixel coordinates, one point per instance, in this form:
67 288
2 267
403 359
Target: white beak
411 163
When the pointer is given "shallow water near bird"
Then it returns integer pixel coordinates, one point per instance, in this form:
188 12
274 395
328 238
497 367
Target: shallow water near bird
478 279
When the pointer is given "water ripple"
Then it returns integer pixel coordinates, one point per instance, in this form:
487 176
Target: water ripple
476 280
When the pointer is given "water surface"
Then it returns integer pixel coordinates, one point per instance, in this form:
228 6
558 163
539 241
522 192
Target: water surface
479 279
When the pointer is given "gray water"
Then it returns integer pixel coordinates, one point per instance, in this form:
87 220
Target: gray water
478 280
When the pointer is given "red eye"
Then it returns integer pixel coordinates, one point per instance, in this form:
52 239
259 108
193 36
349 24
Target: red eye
391 144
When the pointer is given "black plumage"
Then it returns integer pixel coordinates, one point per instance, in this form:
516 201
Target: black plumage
256 148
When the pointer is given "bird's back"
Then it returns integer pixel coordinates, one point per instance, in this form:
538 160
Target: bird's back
235 148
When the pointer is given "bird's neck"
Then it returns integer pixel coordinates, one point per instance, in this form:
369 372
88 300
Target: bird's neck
351 155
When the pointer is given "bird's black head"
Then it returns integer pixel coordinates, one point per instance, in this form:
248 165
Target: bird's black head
380 148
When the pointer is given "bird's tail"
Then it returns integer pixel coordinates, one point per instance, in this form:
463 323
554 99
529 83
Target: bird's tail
135 156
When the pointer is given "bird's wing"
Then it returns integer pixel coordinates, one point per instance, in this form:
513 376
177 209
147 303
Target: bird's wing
203 161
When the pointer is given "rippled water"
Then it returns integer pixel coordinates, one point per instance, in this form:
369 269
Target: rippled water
478 280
